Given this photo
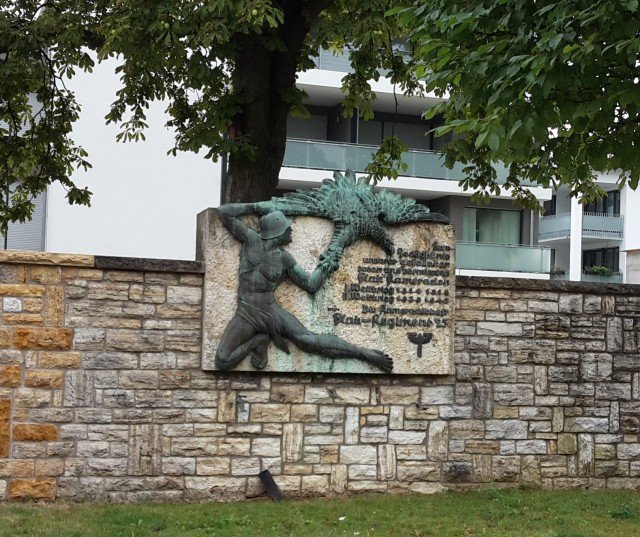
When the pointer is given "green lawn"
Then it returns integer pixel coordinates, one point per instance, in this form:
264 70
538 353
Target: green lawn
491 512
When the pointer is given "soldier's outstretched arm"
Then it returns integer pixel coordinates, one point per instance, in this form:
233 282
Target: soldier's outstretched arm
230 213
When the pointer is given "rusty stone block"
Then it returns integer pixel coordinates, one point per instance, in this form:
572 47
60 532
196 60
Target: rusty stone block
21 290
35 432
45 275
10 376
23 318
55 306
42 338
32 489
5 338
5 422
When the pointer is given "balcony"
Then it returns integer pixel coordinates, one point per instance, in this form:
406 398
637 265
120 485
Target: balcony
333 156
594 226
615 277
602 226
503 257
328 61
341 63
556 226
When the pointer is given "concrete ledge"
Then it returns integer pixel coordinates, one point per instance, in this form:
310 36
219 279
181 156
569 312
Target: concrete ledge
148 265
522 284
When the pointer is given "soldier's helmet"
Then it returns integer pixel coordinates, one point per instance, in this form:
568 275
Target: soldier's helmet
273 225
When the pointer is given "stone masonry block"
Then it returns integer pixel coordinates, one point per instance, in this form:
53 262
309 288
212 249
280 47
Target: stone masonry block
5 423
35 432
10 376
596 366
42 338
61 360
43 379
32 489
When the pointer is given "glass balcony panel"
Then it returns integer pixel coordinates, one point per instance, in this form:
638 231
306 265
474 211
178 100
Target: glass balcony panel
602 225
556 226
478 256
342 156
616 277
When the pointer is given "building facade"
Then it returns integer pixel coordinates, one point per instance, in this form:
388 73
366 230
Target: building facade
145 202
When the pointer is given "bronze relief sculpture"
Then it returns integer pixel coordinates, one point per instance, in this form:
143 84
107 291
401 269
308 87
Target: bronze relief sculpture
357 211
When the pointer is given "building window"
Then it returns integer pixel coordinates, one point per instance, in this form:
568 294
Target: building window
609 204
604 257
491 226
550 206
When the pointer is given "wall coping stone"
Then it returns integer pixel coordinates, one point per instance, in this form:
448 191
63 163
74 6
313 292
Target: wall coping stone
525 284
46 258
148 264
101 262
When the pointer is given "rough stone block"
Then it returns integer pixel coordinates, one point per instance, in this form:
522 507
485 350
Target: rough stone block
135 340
43 379
457 472
212 465
32 489
586 425
10 376
399 395
270 412
292 442
437 441
506 468
531 447
596 366
42 338
499 329
5 423
358 455
35 432
59 360
418 471
184 295
314 484
14 290
513 394
506 429
438 395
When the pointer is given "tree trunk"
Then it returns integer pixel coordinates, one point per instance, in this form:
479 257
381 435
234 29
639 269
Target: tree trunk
263 78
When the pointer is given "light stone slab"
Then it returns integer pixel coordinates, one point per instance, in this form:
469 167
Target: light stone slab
359 319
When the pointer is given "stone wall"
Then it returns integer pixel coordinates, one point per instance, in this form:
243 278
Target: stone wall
102 395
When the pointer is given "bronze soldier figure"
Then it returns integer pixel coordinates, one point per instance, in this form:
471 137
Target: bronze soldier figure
264 264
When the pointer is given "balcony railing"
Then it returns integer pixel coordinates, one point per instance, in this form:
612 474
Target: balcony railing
557 226
340 62
342 156
503 257
329 61
602 225
615 277
594 226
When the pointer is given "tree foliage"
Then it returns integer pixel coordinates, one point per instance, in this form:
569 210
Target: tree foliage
550 88
226 68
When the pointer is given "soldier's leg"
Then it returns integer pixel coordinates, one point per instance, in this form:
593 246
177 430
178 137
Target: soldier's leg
238 340
330 345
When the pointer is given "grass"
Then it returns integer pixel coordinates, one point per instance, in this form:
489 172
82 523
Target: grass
491 512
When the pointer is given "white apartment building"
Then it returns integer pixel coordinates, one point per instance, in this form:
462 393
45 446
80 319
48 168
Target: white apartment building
145 202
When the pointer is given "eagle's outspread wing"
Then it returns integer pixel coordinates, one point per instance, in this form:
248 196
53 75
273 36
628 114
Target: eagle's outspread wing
356 209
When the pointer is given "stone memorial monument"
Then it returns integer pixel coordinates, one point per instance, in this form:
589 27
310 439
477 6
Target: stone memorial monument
339 278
